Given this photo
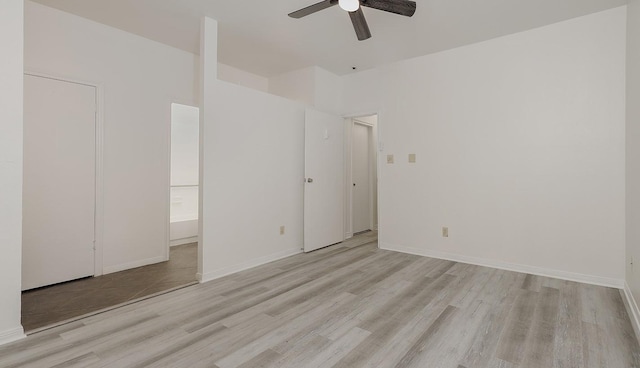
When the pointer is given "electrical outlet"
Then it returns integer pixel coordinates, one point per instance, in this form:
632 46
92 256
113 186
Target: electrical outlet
389 159
282 230
412 158
445 232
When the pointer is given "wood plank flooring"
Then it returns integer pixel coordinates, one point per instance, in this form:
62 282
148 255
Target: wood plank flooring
352 305
53 304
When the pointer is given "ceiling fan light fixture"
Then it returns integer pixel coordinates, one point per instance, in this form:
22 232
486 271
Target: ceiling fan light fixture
349 5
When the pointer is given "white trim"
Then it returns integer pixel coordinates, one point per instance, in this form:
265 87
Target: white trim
139 263
99 210
378 150
167 214
632 308
98 230
371 159
540 271
12 335
348 217
246 265
59 78
373 167
360 122
360 114
348 235
176 242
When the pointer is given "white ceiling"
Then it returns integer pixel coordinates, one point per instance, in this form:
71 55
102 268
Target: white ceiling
259 37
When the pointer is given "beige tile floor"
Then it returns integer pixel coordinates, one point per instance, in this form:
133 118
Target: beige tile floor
53 304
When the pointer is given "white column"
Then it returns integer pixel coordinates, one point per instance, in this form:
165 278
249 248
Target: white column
11 76
208 80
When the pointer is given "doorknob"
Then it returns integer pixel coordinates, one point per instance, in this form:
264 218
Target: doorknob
354 184
309 180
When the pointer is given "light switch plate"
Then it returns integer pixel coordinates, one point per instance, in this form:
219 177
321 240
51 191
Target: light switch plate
389 159
412 158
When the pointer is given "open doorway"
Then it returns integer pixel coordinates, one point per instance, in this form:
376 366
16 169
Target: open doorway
184 190
362 174
184 170
184 193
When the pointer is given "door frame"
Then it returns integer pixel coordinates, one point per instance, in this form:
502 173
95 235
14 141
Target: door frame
376 146
98 226
371 163
167 234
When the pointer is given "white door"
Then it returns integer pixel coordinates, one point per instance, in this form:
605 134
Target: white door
361 163
59 181
324 180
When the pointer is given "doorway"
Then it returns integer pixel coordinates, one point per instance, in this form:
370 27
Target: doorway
184 192
362 185
184 187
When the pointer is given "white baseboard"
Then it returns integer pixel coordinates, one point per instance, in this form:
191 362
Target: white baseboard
127 266
540 271
12 335
175 242
209 276
632 309
348 236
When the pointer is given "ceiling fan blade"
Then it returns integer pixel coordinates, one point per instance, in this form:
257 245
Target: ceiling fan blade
402 7
313 8
360 24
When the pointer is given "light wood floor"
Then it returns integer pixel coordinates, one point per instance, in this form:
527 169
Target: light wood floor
352 305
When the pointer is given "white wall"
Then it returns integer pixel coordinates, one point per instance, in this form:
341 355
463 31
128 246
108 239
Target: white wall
328 91
240 77
185 148
520 149
633 147
140 79
312 86
11 64
252 179
297 85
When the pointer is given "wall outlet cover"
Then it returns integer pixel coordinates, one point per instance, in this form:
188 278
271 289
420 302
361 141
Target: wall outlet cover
389 159
412 158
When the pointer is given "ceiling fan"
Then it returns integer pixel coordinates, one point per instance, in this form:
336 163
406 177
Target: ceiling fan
354 7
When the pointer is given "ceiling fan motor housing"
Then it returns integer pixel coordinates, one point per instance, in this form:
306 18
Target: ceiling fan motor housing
402 7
